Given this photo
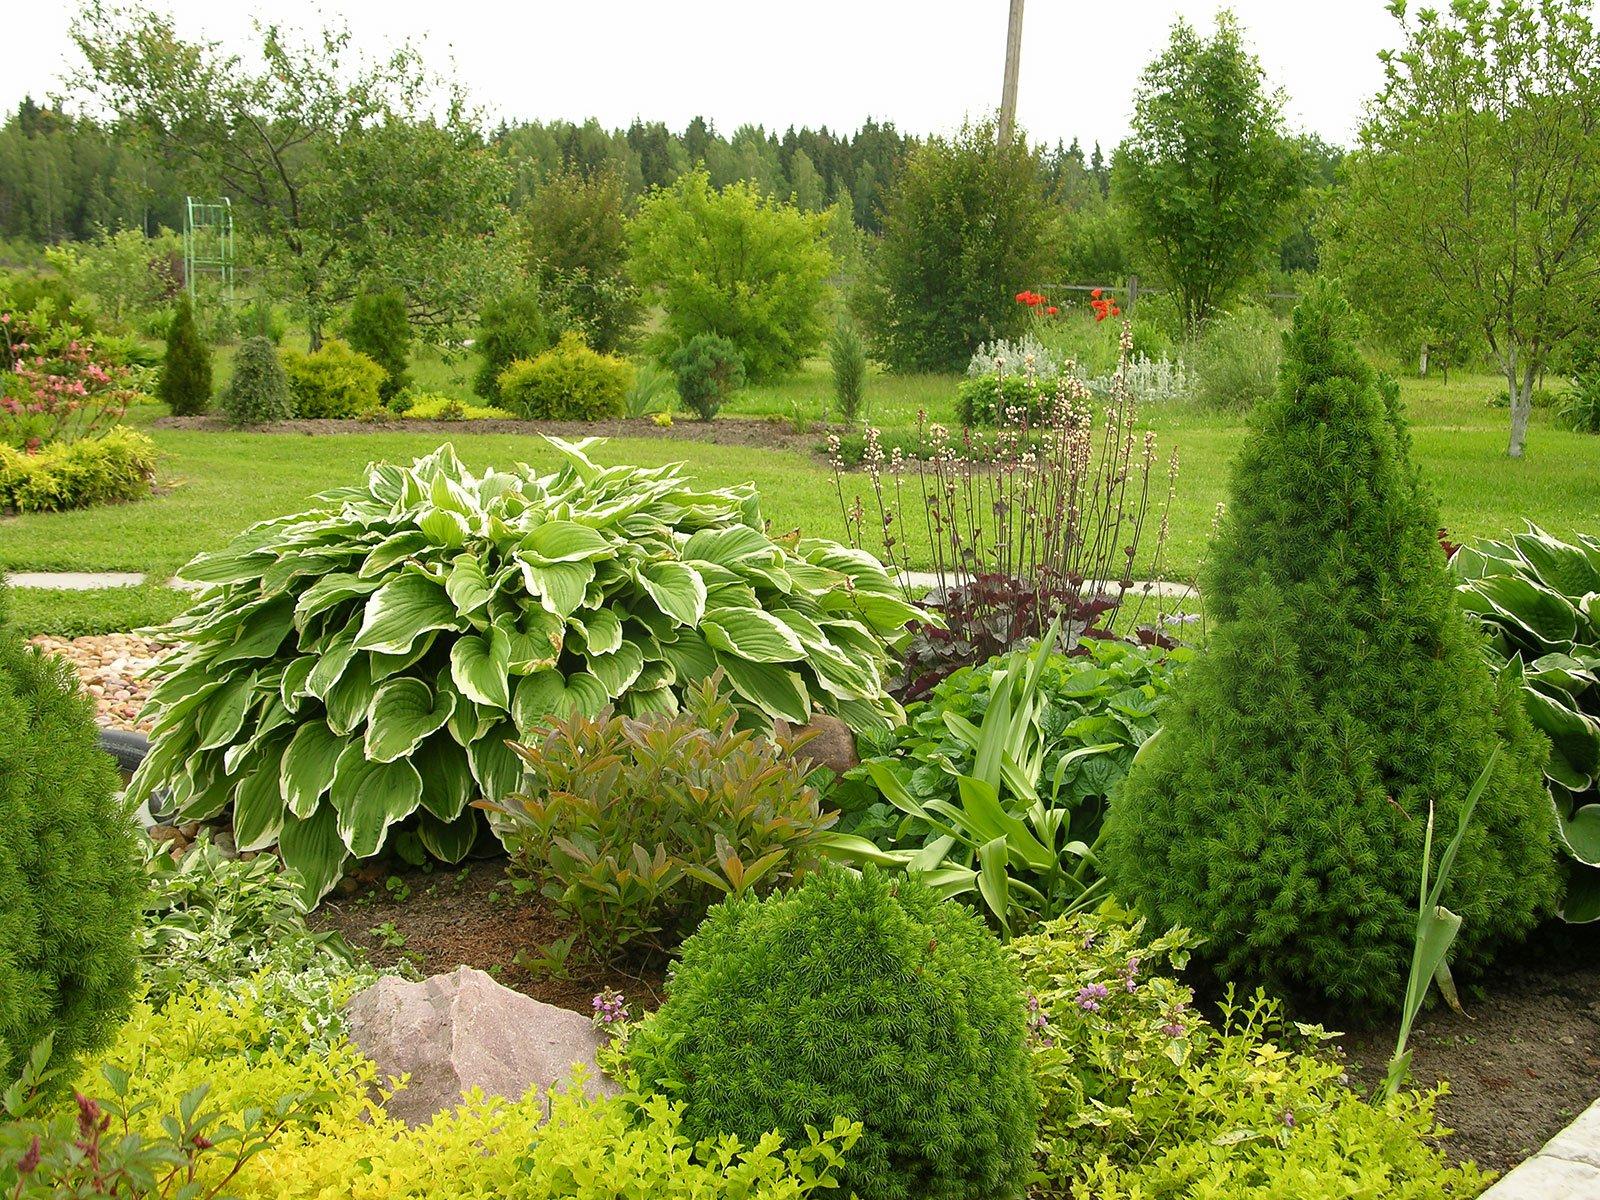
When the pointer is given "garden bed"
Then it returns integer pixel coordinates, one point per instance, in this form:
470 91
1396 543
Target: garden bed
1521 1064
110 667
765 432
440 919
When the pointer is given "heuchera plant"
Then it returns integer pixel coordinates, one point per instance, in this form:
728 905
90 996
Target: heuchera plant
57 387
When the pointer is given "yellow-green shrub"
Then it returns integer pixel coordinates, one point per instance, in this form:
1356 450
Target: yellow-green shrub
494 1149
106 470
568 383
448 408
335 381
1142 1098
252 1055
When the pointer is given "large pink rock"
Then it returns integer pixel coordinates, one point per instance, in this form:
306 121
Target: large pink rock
454 1032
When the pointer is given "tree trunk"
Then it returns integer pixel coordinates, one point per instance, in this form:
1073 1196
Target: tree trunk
1521 391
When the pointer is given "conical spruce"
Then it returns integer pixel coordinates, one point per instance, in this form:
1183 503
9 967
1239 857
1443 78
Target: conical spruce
185 383
1281 811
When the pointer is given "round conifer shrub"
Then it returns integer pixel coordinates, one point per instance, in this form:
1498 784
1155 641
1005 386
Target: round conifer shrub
71 888
865 997
185 384
259 390
1281 810
710 369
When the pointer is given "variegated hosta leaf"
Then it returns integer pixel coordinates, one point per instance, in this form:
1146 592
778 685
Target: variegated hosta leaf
361 664
1536 595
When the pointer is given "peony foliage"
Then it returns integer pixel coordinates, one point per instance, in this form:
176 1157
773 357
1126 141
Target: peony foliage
367 661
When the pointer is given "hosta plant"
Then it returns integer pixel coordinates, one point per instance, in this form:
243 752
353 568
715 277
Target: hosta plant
368 661
1539 599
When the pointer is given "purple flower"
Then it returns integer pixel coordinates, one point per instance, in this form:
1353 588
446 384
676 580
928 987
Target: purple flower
1288 1118
1089 997
610 1008
1173 1029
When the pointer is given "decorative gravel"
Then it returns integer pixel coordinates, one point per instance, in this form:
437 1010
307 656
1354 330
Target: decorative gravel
109 666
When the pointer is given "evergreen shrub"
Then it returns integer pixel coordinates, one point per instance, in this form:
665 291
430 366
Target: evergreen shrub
185 384
1280 813
861 997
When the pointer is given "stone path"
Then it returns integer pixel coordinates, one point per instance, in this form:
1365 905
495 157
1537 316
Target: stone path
1568 1168
85 581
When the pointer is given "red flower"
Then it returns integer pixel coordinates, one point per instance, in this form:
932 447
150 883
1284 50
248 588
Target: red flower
1095 293
1115 311
1022 297
1052 310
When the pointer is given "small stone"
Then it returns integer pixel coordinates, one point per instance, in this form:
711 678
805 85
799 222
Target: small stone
225 845
190 829
455 1032
165 833
829 742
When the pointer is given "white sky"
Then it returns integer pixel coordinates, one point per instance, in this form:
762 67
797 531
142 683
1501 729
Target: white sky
921 64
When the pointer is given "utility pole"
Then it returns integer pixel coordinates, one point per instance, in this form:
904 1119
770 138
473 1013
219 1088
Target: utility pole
1008 94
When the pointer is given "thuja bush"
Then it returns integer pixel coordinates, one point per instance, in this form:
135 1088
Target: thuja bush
634 827
379 328
510 327
861 997
185 383
69 876
365 662
333 381
1281 811
569 383
259 390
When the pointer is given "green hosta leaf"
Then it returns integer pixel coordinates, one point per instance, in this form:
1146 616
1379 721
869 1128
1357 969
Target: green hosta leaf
692 660
1581 903
536 644
559 586
601 630
563 542
449 841
479 666
403 712
727 546
221 715
307 768
751 634
312 848
348 700
495 765
1574 738
443 527
329 592
371 796
293 684
774 690
258 808
1532 613
677 588
1582 835
233 565
402 610
392 551
1567 569
467 585
331 661
617 672
447 783
384 665
549 693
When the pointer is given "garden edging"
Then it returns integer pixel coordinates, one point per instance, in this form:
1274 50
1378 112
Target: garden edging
1566 1168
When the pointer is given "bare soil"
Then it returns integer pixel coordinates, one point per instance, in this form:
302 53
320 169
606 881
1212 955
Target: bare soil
471 916
1524 1060
763 432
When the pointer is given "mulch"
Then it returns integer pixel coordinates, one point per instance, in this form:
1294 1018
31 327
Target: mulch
772 433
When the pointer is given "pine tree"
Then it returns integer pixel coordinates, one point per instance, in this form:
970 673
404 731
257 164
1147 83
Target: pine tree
70 884
186 372
1281 810
380 330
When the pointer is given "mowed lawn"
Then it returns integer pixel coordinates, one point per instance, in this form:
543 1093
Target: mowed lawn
215 483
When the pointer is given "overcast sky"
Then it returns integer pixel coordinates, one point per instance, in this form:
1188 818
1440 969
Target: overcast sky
923 65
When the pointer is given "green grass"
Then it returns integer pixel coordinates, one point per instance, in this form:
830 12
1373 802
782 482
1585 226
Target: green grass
77 614
217 483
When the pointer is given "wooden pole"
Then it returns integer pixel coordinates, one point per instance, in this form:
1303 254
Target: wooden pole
1008 93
